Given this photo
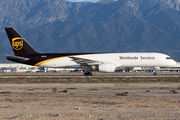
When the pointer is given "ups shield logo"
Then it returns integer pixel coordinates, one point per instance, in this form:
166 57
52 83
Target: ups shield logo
17 43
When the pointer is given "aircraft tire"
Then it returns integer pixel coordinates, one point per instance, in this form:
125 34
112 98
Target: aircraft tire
88 74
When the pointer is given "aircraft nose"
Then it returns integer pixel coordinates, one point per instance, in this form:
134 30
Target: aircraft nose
173 62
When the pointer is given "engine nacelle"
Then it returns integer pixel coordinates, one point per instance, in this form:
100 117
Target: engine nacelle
105 67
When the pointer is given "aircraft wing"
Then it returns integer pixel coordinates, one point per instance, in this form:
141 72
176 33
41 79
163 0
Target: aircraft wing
85 62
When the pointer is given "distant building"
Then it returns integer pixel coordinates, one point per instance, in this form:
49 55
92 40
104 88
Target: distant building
16 67
175 68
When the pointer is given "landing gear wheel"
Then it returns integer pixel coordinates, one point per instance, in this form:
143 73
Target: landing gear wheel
87 74
90 74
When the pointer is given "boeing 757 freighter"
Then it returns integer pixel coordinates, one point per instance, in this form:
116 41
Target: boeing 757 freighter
103 62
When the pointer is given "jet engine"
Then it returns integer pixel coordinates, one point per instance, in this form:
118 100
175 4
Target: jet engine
105 67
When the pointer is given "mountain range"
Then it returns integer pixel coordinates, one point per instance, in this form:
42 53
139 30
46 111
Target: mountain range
105 26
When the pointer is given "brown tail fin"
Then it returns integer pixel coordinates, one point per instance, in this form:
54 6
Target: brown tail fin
19 45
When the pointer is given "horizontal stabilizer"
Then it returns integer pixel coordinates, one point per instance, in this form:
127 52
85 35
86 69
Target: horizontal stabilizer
16 58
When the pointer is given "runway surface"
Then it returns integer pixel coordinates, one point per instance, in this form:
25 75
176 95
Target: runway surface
80 75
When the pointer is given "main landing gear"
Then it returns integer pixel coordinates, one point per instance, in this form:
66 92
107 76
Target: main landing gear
88 72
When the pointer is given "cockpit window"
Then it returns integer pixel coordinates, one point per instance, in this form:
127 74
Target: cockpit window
168 58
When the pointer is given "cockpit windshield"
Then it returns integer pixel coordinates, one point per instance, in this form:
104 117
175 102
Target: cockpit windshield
168 58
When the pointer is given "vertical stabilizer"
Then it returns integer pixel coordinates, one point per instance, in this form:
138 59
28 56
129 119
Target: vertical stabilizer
19 45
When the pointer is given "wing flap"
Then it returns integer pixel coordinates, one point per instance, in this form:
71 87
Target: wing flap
85 62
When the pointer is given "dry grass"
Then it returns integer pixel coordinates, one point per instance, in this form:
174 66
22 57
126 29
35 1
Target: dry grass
6 92
93 79
122 94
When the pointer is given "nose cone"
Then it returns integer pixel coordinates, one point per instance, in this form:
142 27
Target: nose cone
176 64
172 63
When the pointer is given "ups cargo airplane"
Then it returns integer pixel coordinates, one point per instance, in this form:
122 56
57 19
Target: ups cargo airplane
103 62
